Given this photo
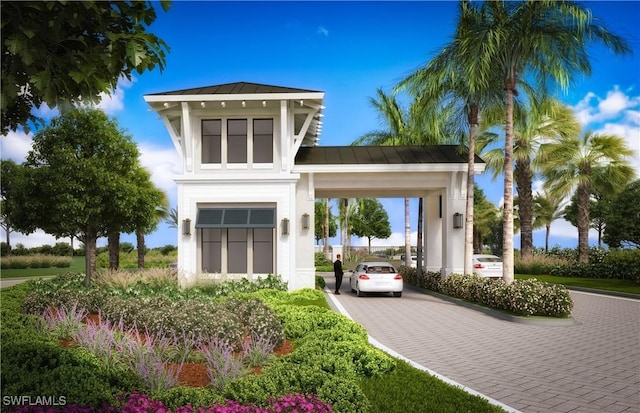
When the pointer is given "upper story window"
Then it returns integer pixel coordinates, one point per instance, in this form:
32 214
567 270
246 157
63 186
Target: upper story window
241 141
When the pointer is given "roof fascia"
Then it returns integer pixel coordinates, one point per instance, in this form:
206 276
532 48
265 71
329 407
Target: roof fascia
354 168
232 97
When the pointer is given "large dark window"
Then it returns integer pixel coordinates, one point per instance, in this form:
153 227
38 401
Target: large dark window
237 141
211 141
212 250
263 140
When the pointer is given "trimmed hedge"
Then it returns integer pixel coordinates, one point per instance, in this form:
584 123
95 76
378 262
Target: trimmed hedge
522 297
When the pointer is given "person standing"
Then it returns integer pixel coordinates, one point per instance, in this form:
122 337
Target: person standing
337 271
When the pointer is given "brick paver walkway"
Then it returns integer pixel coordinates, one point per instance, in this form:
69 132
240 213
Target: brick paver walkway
592 366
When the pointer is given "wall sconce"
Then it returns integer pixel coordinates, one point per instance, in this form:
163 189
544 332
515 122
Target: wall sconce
306 221
186 226
285 226
457 220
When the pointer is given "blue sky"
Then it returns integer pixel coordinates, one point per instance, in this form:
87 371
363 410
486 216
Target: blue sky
347 50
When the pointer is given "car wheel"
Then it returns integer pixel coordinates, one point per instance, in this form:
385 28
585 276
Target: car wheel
353 291
397 294
359 293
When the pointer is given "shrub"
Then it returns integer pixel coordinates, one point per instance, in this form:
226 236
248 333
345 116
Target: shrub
320 282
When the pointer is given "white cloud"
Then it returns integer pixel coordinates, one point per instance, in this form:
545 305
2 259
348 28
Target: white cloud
37 239
593 109
395 240
16 146
164 164
114 102
323 31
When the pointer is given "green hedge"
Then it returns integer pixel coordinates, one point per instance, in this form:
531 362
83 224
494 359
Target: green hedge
522 297
35 261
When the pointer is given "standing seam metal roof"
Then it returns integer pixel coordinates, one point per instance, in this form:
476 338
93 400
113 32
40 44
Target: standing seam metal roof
365 155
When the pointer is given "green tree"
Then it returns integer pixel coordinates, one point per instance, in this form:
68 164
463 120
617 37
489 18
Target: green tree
172 218
13 176
371 221
599 206
59 53
486 215
537 121
582 164
320 212
623 220
77 170
546 209
151 208
449 82
542 39
399 128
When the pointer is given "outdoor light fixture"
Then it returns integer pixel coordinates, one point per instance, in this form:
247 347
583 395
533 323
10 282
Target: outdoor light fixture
457 220
264 103
186 226
244 104
285 226
203 105
223 104
306 221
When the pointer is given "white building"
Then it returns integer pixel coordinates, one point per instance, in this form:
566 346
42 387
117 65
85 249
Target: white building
252 171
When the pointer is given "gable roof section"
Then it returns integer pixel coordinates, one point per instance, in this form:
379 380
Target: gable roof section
236 88
382 155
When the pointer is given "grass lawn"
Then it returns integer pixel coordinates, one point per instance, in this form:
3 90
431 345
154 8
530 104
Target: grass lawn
77 265
623 286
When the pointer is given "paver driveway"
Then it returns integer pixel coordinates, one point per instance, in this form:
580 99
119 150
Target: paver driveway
592 366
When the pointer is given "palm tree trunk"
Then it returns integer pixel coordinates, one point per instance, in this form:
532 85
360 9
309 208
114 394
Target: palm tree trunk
471 158
407 233
507 214
142 249
114 250
584 193
524 177
546 238
420 213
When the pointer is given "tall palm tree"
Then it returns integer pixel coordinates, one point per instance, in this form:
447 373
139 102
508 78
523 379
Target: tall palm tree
544 39
400 129
582 164
539 119
447 82
546 209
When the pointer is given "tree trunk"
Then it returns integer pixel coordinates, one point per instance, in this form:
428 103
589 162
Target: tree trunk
524 177
507 212
546 238
419 257
90 255
407 233
584 193
326 226
471 161
142 249
8 242
114 250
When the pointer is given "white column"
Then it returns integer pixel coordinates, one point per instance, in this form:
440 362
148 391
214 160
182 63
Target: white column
433 233
453 239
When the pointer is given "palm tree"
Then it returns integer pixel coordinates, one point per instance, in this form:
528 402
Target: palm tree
542 38
541 119
171 218
582 164
447 82
400 130
485 216
546 209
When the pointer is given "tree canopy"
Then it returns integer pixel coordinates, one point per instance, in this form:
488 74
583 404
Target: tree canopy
84 178
64 53
623 218
371 220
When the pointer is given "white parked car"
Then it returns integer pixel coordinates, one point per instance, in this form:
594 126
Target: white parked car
486 265
379 277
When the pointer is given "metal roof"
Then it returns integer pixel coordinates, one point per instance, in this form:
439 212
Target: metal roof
366 155
236 88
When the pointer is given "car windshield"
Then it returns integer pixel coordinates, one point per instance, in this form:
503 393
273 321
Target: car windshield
380 269
488 259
